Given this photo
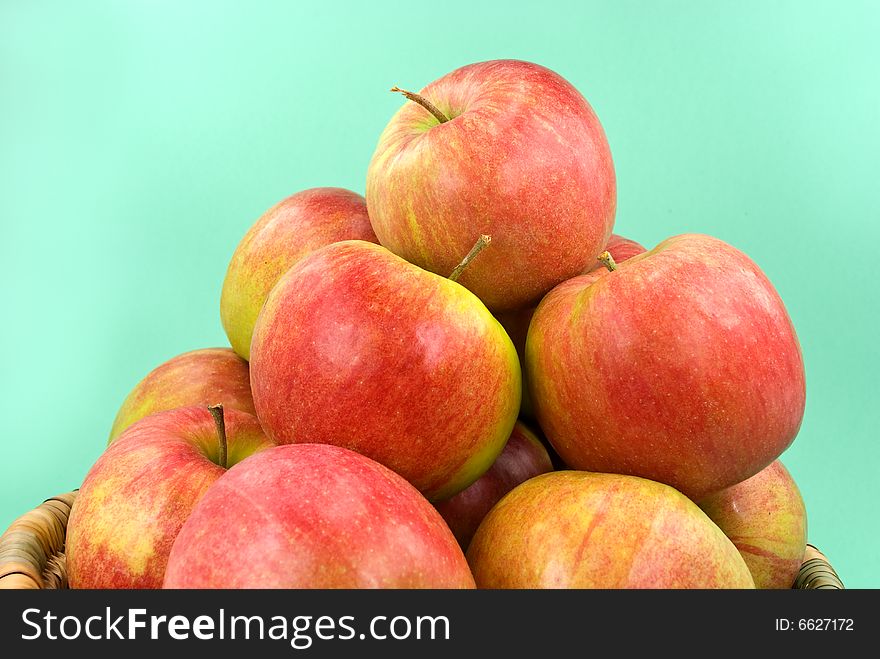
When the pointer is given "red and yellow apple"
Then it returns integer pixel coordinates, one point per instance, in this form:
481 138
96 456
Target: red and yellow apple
285 233
358 348
523 457
620 249
765 518
516 322
682 366
140 491
571 529
315 516
200 377
513 151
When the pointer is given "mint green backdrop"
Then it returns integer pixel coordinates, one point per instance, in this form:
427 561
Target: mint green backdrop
139 140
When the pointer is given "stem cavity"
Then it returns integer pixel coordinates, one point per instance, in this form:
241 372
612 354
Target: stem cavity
424 102
478 247
217 412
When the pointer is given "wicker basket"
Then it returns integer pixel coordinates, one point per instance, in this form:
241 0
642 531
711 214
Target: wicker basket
32 552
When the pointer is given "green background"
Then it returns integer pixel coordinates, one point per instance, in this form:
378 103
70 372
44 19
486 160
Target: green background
140 140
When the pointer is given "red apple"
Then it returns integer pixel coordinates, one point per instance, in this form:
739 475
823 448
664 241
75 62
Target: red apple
570 529
765 517
292 228
358 348
522 157
620 249
137 495
523 457
681 366
200 377
315 516
516 322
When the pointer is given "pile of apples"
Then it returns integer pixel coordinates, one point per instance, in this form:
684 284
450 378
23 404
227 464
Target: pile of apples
464 380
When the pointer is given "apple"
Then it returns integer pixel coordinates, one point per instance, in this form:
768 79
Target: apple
285 233
516 322
620 249
765 518
358 348
505 148
200 377
139 492
523 457
555 460
574 529
681 366
315 516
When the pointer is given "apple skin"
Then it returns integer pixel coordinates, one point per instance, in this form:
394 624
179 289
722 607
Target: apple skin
358 348
765 518
315 516
140 491
574 529
523 457
681 366
199 377
523 159
292 228
516 322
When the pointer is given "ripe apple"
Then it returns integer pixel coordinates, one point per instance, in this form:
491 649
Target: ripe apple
574 529
284 234
620 249
523 457
315 516
505 148
200 377
358 348
765 517
137 495
681 366
516 322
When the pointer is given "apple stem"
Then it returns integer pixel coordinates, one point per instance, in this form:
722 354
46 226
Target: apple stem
424 102
607 260
217 412
482 241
